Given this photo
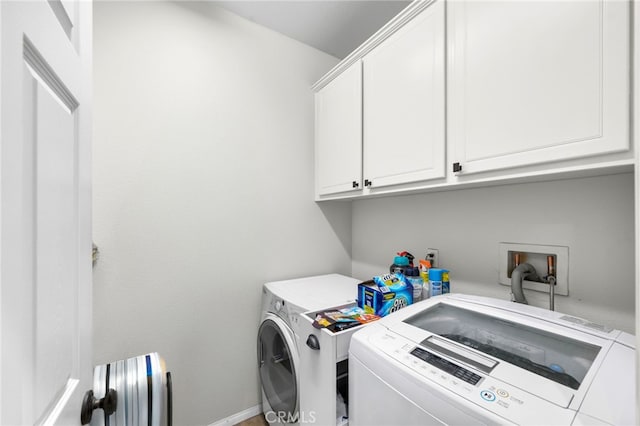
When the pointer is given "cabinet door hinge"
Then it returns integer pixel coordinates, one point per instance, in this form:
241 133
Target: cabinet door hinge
457 167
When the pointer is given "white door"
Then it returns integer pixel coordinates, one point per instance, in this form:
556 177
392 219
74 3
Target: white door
404 103
45 256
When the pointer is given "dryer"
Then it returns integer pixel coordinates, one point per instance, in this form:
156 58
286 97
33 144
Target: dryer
279 346
457 359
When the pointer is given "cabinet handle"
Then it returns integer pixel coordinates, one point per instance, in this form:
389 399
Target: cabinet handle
457 167
367 182
355 184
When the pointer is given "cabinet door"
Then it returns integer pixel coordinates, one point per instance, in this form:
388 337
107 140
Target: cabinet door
537 81
339 133
404 103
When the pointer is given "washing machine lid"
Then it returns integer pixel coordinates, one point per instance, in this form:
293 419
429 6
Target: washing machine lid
317 292
525 347
277 365
556 357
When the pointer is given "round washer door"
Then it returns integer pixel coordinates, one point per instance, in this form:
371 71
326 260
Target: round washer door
277 362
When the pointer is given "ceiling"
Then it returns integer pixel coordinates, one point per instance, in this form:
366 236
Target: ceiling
336 27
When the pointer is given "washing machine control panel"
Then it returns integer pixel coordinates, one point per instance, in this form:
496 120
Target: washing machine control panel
446 365
280 308
477 387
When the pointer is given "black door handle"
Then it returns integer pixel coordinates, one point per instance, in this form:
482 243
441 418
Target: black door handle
89 403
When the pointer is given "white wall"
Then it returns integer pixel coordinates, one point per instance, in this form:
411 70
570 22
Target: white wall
594 217
203 167
203 190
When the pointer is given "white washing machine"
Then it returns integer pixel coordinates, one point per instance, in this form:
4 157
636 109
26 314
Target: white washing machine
278 345
467 360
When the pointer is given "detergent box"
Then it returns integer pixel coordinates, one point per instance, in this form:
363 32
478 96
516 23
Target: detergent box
385 294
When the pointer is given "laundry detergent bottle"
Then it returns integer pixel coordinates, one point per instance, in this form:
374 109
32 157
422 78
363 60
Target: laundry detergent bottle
400 265
414 278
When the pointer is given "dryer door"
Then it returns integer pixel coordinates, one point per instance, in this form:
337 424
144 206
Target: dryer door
277 362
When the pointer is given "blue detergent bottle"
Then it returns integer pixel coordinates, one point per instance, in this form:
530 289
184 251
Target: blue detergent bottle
400 265
414 278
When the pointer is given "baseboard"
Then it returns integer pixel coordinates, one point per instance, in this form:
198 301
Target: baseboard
239 417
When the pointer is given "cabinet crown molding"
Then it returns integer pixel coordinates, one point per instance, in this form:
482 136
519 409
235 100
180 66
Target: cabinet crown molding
382 34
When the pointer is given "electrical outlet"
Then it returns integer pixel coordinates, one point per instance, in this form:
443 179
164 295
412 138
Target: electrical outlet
536 255
433 256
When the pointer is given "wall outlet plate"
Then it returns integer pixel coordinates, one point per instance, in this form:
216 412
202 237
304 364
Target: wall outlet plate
536 255
434 256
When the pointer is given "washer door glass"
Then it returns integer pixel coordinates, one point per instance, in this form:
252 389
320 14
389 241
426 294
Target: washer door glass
277 371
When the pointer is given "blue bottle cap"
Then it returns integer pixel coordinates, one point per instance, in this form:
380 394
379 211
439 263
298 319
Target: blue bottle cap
435 274
401 261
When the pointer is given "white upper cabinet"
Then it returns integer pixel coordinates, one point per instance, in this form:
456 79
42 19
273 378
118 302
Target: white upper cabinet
473 92
534 82
404 103
339 133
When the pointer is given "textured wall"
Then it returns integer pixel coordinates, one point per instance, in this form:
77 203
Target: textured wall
203 173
